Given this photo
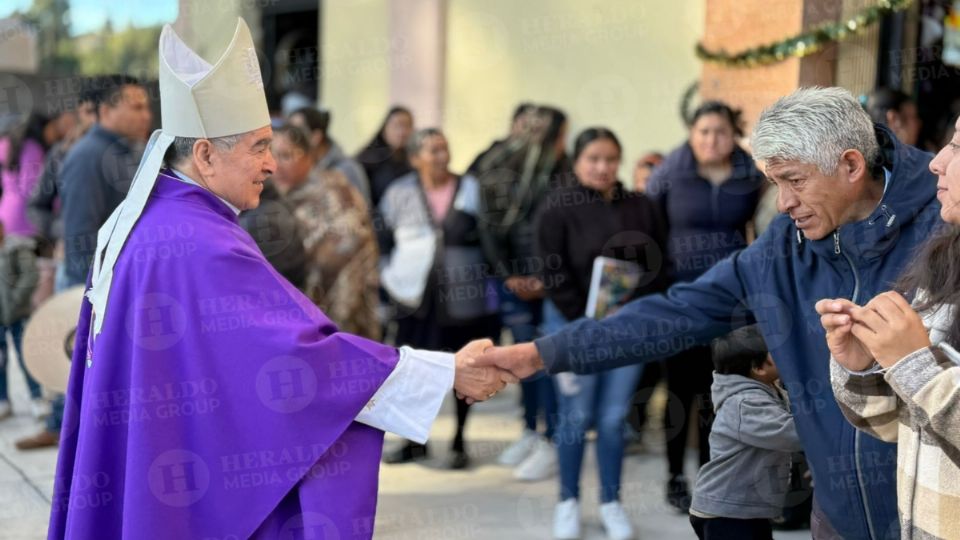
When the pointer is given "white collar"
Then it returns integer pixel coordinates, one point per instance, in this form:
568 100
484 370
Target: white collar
187 180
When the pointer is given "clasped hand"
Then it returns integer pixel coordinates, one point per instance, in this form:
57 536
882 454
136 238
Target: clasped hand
883 331
475 382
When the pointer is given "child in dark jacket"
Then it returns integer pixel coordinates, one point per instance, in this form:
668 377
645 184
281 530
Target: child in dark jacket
745 482
18 278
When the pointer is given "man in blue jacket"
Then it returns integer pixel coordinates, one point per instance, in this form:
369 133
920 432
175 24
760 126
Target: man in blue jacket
857 203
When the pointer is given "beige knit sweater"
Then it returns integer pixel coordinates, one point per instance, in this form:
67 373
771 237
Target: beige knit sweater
916 404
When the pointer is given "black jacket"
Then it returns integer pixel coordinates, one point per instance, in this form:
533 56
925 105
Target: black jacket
576 225
707 221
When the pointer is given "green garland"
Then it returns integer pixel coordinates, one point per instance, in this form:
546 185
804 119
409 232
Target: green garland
808 43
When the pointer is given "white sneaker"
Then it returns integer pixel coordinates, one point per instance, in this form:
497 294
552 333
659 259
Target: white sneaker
519 450
539 465
40 408
566 520
5 410
615 521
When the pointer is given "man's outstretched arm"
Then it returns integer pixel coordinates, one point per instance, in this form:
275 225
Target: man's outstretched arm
648 328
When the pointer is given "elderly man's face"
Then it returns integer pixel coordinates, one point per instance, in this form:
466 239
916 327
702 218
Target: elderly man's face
817 203
237 175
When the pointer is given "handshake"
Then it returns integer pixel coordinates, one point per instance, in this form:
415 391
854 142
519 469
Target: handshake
482 370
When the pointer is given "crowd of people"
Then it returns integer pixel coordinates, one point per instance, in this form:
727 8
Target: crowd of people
395 246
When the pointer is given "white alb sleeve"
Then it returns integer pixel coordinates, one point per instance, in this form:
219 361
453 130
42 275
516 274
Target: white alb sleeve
409 400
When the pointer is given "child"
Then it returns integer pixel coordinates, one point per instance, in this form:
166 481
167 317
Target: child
18 278
745 482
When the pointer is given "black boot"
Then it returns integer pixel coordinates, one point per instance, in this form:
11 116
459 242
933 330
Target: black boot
458 460
410 451
678 494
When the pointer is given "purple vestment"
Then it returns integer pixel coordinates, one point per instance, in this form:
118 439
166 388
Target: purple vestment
217 401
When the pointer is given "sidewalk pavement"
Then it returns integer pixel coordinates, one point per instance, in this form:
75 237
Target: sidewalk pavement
417 501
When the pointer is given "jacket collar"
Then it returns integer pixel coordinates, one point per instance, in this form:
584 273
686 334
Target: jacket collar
909 193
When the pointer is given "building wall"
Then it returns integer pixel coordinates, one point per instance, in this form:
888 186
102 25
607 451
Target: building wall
357 57
622 65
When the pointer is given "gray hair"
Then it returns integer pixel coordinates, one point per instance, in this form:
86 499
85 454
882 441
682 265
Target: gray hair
182 147
416 140
815 125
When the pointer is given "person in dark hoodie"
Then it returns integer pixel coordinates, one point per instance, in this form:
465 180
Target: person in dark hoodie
745 483
858 203
707 189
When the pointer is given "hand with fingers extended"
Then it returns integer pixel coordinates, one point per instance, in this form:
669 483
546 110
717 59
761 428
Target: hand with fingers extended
845 347
521 360
889 328
476 382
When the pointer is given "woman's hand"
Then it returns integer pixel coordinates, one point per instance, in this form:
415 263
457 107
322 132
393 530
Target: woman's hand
889 328
526 288
845 347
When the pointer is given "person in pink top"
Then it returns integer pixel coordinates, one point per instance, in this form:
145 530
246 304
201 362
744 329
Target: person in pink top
436 271
21 162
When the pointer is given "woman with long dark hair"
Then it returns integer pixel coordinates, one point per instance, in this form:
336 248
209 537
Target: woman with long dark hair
708 188
516 174
895 368
384 158
596 217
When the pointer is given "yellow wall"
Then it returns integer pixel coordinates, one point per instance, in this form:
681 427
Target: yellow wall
621 64
355 84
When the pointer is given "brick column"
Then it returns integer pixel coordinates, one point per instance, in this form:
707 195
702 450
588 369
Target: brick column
736 25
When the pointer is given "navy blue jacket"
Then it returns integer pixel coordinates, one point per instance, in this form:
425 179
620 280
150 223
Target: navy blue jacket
94 179
707 221
776 281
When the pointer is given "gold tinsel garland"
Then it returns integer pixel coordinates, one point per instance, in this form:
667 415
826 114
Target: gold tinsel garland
804 44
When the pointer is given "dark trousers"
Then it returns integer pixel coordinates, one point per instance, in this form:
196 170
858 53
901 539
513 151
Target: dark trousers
424 333
689 376
637 418
721 528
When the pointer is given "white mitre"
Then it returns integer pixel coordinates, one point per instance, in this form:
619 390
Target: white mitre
197 100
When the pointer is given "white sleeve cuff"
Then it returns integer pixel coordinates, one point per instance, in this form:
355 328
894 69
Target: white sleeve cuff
409 400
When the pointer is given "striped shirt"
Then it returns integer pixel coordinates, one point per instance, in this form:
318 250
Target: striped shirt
916 404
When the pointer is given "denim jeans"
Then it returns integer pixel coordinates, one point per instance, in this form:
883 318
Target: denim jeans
15 331
523 320
600 401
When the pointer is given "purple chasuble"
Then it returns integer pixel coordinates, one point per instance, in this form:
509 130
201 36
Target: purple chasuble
217 402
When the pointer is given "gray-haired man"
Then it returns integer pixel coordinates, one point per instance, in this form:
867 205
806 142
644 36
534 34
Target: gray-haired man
857 203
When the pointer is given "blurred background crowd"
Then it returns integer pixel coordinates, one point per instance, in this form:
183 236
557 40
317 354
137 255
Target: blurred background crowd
488 152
